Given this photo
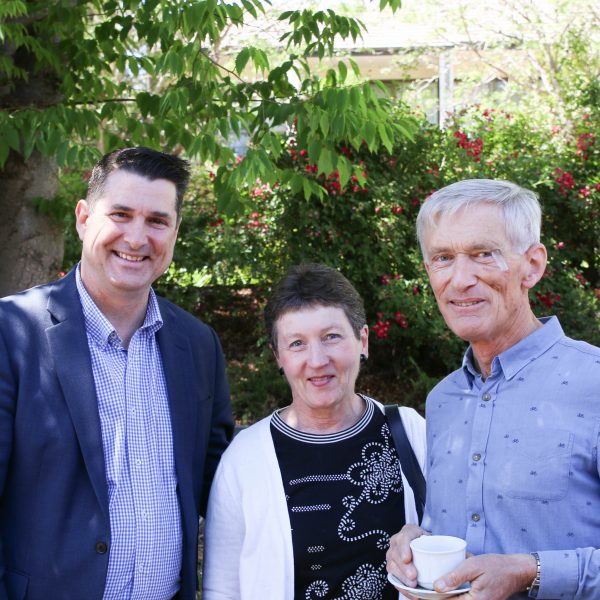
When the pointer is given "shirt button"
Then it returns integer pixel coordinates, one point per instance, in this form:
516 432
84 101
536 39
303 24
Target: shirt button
475 517
487 397
477 456
101 547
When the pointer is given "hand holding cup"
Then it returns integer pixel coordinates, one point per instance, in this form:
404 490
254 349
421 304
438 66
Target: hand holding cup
436 555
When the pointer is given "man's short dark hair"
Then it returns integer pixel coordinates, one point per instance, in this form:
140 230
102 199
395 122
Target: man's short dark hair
141 161
310 285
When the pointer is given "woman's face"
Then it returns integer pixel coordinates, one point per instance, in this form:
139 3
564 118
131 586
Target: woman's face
320 356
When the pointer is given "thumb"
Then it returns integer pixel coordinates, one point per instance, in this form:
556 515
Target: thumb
452 580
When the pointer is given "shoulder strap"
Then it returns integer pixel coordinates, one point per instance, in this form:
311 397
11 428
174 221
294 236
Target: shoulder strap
408 460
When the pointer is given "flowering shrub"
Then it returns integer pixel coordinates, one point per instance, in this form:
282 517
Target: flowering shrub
365 228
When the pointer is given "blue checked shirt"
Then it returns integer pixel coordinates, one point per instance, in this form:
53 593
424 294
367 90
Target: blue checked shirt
145 551
513 461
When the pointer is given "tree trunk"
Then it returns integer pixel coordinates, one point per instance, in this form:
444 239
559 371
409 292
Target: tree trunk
31 243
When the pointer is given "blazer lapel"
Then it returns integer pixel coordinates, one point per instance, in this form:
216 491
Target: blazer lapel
69 347
179 368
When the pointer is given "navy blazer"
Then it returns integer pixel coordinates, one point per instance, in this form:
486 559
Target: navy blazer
55 533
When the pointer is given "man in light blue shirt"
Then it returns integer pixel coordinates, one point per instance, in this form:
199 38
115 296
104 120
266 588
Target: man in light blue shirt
513 435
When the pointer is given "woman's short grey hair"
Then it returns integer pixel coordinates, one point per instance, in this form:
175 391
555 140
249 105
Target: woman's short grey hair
520 207
310 285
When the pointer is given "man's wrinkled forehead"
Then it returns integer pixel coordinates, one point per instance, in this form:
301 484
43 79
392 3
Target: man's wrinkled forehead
479 226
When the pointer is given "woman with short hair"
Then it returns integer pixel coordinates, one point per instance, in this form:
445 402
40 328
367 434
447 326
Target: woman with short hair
304 501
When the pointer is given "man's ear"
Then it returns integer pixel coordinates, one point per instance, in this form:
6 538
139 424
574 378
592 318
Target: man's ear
536 258
82 212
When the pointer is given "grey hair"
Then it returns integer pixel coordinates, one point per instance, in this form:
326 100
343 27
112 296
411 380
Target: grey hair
520 207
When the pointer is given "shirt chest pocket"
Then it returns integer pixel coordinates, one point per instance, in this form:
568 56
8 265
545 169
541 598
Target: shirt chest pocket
536 464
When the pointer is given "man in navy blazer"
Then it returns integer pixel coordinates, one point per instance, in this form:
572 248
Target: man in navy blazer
114 406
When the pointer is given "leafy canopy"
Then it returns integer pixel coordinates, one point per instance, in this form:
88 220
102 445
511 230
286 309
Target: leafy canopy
78 78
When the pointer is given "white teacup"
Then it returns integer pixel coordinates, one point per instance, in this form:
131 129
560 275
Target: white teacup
436 555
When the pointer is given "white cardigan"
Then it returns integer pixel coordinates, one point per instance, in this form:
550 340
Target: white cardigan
248 552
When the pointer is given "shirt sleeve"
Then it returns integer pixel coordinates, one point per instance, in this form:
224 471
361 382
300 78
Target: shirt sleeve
8 387
570 574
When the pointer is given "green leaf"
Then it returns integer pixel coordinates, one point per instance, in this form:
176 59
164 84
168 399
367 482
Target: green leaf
369 135
314 150
358 173
250 8
307 188
357 101
344 167
242 59
326 162
355 67
381 86
11 137
4 150
343 69
385 138
29 145
324 124
296 182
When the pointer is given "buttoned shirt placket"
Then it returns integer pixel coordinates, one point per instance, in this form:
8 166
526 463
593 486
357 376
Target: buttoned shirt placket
485 392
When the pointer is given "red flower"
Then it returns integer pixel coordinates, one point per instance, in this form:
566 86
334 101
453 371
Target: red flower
473 148
382 327
565 181
400 319
548 299
585 191
584 142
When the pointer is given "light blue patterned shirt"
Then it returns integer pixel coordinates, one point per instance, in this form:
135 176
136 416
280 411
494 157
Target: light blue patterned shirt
513 460
146 536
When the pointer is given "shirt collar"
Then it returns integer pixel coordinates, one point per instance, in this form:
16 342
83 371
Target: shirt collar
99 327
515 358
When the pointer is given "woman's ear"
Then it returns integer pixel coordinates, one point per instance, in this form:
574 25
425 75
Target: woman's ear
536 258
364 340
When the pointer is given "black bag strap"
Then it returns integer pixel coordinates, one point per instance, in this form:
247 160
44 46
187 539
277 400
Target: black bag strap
408 460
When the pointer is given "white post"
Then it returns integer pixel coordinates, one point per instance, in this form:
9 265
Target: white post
445 87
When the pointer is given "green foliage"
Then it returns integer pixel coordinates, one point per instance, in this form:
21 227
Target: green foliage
365 228
126 72
257 387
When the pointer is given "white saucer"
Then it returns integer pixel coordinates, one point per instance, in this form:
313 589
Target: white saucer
426 594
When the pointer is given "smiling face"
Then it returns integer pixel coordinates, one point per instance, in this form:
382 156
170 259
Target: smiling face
480 284
128 236
320 356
